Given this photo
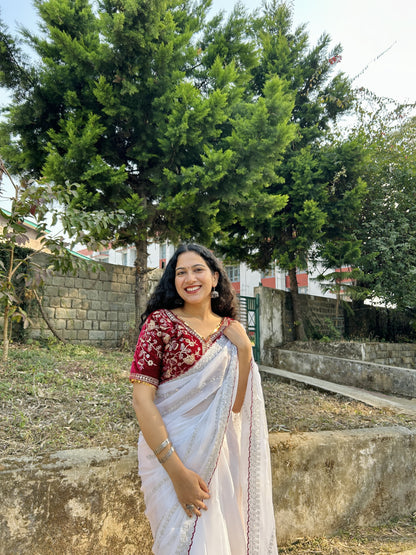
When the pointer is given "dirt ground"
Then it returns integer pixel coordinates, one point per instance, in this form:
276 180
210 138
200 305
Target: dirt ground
63 397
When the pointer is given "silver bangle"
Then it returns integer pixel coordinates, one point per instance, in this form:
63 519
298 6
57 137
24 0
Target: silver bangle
165 457
159 449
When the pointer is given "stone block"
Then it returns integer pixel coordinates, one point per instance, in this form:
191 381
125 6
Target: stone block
92 294
81 314
83 335
58 280
51 291
87 324
65 313
69 282
66 302
52 301
96 335
105 325
92 315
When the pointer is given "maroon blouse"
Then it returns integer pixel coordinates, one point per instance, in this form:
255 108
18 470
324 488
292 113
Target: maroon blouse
167 347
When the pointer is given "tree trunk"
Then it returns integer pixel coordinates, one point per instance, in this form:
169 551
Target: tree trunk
297 306
6 334
141 291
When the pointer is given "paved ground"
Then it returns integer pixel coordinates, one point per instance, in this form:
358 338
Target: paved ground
372 398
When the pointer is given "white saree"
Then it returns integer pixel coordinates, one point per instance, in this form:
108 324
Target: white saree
229 451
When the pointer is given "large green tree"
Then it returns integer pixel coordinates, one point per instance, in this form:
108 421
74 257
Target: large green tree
388 222
304 175
148 108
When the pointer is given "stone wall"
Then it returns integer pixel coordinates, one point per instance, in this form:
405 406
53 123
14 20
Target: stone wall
88 501
90 307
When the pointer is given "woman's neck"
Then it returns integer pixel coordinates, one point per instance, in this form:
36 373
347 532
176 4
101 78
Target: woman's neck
199 312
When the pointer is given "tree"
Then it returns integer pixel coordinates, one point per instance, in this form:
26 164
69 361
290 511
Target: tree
303 176
387 227
149 109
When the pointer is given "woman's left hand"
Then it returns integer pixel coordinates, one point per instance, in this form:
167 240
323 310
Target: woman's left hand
237 335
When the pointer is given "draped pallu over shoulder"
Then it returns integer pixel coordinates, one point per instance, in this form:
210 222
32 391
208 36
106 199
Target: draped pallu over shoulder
229 451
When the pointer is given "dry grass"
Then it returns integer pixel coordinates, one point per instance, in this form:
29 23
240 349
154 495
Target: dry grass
395 537
294 407
63 397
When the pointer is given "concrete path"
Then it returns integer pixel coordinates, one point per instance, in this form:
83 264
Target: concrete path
372 398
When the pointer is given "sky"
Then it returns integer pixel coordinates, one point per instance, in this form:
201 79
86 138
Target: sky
365 29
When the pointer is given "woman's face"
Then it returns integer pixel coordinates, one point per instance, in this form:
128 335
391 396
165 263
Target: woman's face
194 279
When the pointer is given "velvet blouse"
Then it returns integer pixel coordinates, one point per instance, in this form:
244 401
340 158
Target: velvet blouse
167 347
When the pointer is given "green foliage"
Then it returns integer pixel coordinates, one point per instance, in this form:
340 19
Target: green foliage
387 228
303 176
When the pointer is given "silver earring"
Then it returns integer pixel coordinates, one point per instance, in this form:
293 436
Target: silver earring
214 294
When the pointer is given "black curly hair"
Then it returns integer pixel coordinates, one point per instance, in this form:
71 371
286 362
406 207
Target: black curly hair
166 296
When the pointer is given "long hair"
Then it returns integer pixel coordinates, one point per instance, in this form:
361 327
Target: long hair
166 296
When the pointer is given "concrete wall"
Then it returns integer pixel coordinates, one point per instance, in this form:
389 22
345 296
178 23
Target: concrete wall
390 354
276 318
367 375
88 501
274 322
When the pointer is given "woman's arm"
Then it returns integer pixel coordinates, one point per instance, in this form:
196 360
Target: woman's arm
190 488
237 335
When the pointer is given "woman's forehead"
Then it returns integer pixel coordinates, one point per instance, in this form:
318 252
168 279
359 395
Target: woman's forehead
189 259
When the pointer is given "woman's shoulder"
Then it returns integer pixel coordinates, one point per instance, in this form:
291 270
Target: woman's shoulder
159 318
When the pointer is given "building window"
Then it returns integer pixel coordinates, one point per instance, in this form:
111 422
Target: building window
270 272
124 258
162 251
233 272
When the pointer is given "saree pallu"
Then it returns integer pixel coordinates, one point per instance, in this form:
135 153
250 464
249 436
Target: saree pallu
229 451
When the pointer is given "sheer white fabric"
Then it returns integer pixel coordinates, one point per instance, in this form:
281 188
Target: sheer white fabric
231 453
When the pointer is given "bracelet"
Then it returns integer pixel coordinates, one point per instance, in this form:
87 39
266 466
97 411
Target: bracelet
165 457
159 449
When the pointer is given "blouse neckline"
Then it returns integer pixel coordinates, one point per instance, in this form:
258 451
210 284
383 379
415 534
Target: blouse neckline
205 340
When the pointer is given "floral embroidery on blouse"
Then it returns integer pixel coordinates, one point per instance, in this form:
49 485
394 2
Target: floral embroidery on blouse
167 347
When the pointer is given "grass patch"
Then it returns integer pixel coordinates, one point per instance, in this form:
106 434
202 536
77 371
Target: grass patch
67 396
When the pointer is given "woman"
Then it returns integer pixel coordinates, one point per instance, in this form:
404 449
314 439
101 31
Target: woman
204 458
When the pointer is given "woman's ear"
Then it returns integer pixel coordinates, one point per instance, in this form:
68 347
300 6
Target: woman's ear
215 278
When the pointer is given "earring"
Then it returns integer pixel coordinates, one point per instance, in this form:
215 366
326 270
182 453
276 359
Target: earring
214 294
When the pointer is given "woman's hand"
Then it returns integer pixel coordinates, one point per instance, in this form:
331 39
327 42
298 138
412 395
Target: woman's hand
237 335
190 489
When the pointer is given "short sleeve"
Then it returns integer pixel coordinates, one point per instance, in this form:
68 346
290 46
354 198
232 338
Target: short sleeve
147 361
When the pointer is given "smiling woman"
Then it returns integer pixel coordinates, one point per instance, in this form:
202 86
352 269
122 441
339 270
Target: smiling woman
204 460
